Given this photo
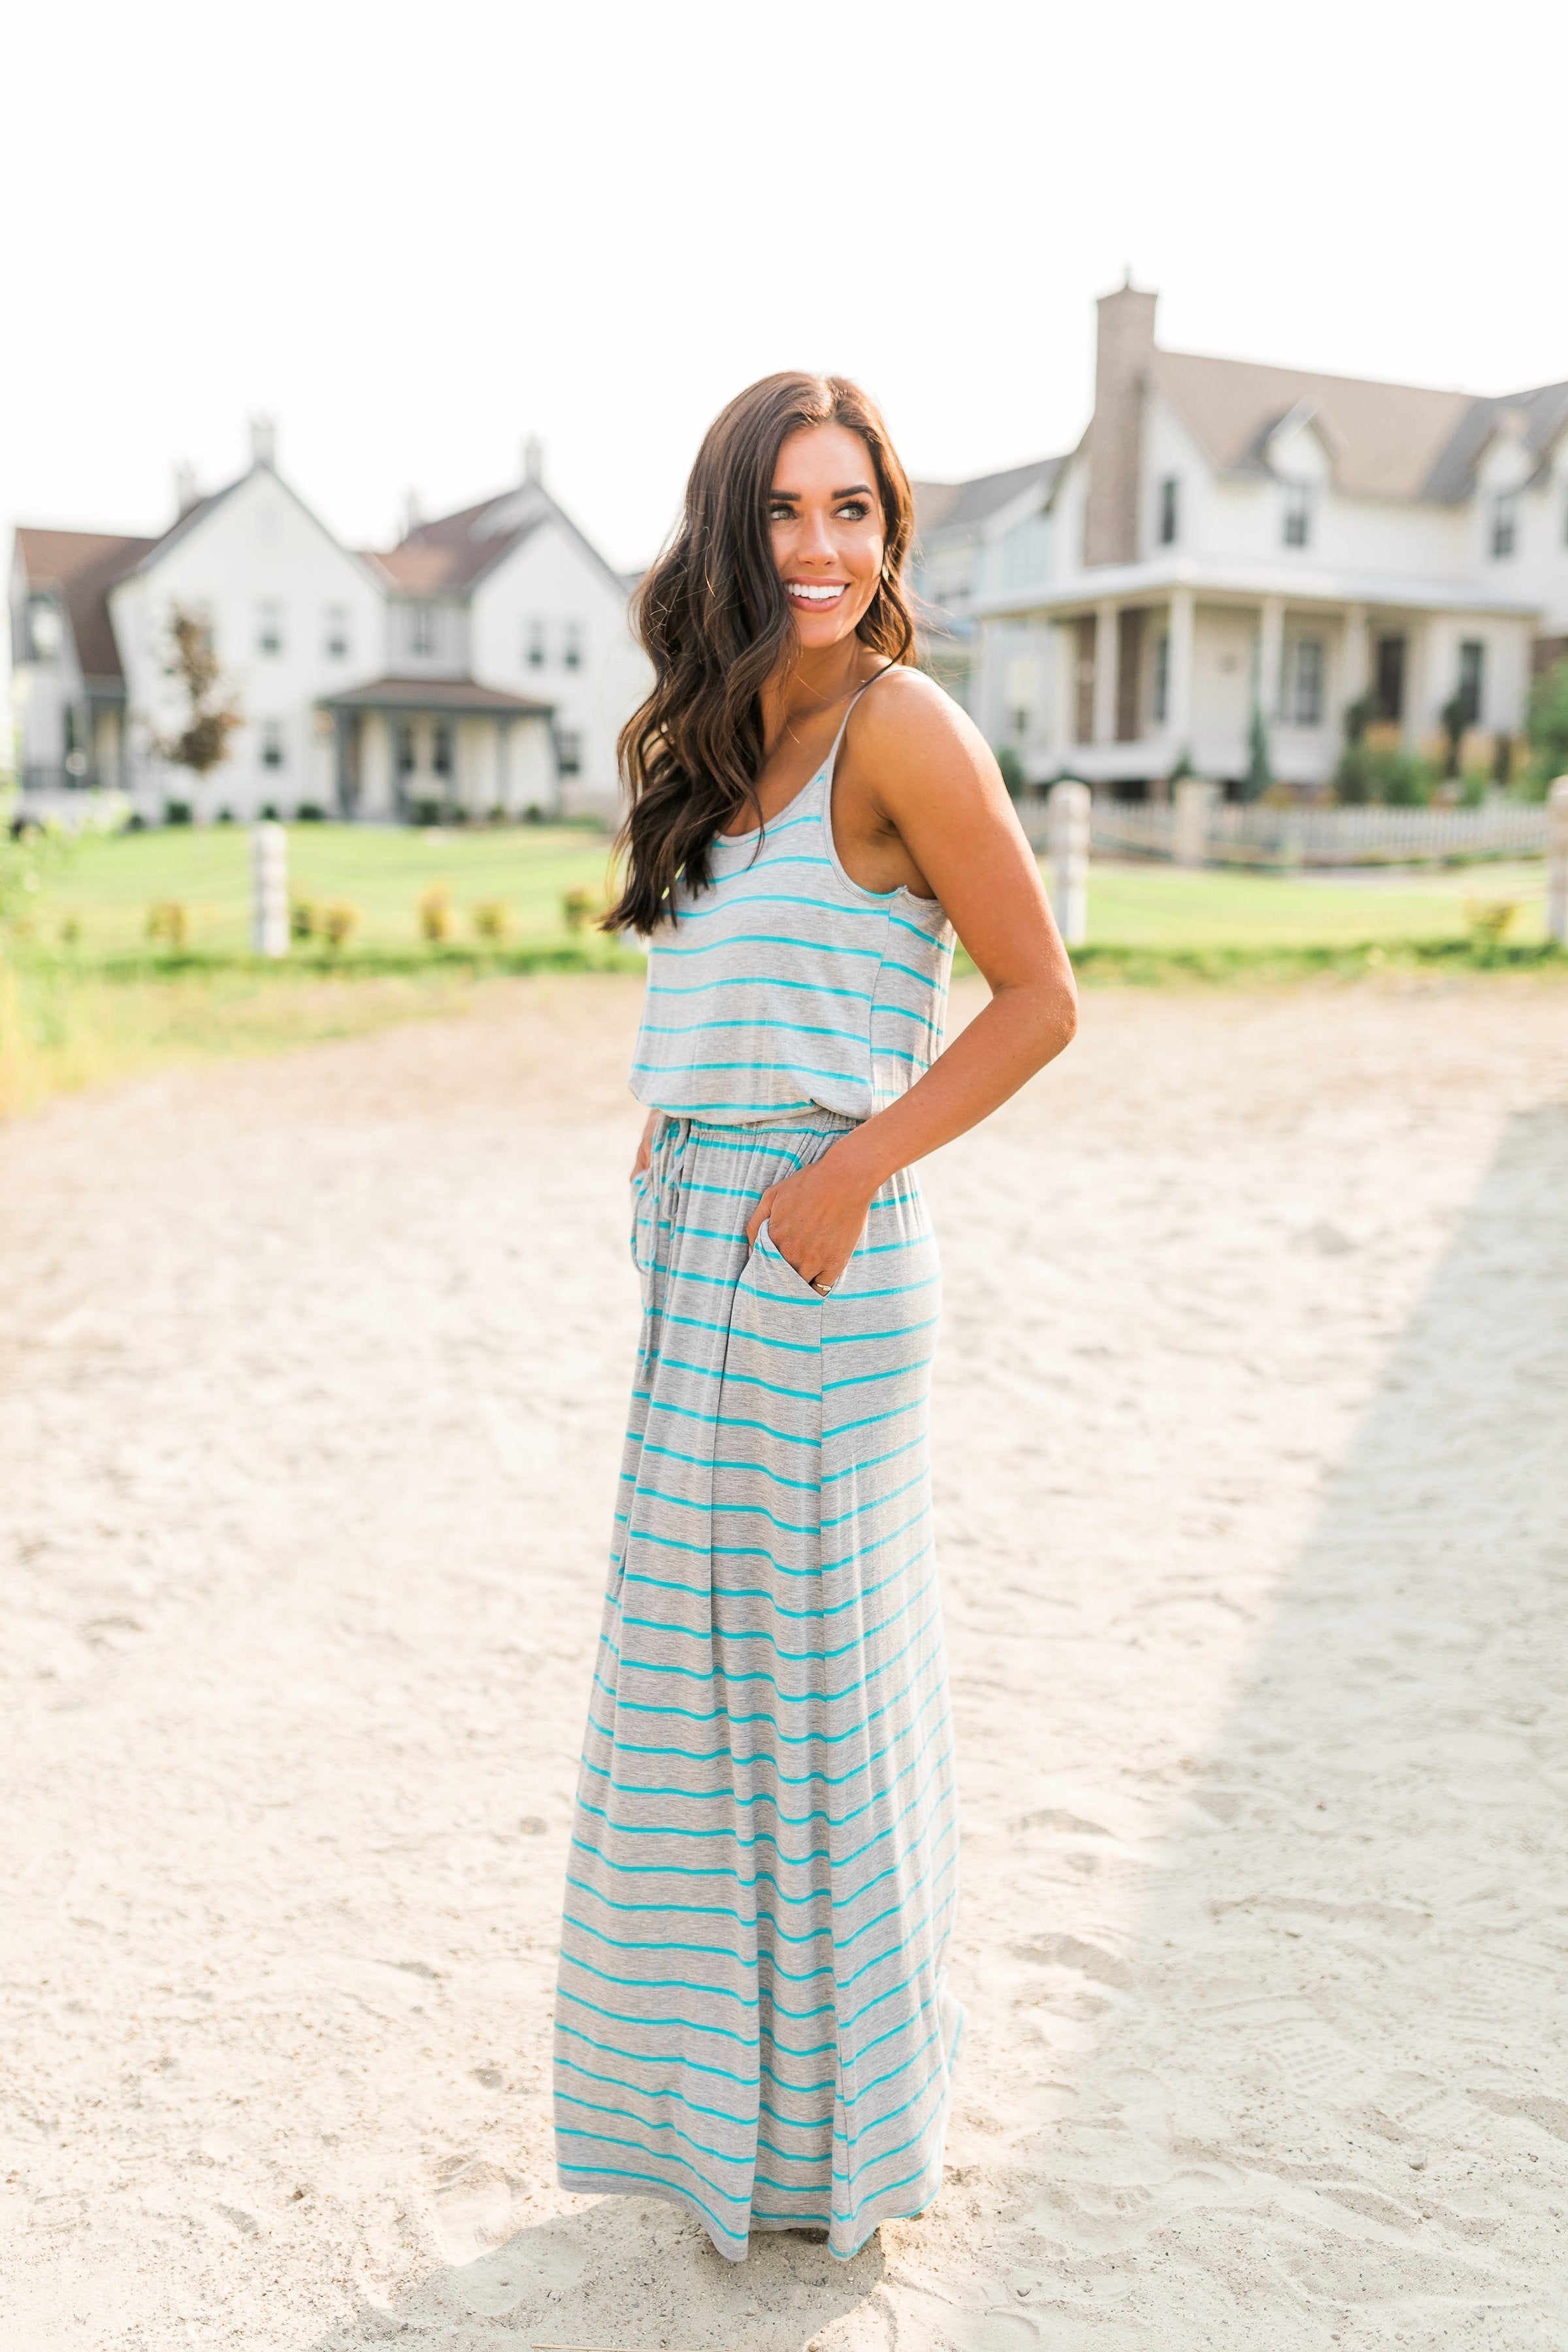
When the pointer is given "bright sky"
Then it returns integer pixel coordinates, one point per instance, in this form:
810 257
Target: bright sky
416 234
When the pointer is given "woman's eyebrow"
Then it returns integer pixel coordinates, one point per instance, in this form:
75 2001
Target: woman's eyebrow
856 490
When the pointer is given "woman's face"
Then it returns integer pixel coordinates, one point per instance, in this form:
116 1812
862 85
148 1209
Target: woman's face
825 519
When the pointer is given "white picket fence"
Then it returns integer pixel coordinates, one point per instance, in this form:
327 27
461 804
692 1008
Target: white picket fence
1247 833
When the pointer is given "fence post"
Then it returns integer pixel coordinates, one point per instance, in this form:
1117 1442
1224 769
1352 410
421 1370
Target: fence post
1194 799
1068 805
269 891
1557 862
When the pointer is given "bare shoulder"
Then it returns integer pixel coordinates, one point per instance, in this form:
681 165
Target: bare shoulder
908 726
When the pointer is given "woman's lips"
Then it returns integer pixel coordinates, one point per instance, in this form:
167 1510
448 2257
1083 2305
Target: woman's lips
816 595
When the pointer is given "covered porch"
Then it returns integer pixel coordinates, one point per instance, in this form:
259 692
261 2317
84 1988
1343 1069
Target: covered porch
401 745
1137 669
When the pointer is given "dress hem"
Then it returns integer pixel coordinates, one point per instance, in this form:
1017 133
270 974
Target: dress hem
897 2208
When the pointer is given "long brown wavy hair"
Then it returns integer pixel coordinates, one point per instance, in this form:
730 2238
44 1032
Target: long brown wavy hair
715 621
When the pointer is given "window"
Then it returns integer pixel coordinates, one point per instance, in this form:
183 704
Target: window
336 634
1389 688
572 644
1505 522
270 629
1160 699
405 747
1304 669
272 743
44 631
568 751
441 753
1296 513
1170 510
1472 680
422 630
533 649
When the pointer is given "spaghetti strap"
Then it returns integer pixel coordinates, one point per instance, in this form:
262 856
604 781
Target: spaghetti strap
831 762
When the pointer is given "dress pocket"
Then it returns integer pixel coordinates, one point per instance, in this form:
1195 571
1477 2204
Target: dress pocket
769 1261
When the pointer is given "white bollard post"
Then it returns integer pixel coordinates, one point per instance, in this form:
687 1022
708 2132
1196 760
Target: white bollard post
1194 799
1068 804
269 891
1557 862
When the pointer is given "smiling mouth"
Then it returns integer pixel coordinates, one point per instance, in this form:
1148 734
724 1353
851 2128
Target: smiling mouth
811 591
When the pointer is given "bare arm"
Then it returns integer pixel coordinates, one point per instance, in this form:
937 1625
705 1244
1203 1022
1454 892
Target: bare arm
933 787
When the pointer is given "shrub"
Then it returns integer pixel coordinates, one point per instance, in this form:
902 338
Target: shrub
436 914
426 814
1370 771
1489 920
533 814
1012 767
339 923
492 918
308 813
302 920
168 925
177 812
1473 787
225 816
578 909
268 813
70 932
1547 728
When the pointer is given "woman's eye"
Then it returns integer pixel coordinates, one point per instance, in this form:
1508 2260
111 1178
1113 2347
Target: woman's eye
855 510
778 513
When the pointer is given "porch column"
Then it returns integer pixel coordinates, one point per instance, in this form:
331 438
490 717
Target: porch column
1059 700
1179 672
1270 649
1105 673
1358 652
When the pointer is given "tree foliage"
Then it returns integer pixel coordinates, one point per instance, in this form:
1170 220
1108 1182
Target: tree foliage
211 713
1549 726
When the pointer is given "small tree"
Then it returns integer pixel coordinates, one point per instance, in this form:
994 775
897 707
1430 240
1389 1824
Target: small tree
1549 726
211 713
1259 764
1012 767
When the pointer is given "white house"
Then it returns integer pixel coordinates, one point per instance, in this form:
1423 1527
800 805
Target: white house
1230 539
485 663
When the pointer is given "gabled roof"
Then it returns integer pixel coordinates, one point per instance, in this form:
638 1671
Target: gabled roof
959 506
81 567
449 556
1389 440
457 694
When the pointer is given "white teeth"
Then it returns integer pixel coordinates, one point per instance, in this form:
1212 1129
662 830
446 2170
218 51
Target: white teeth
815 596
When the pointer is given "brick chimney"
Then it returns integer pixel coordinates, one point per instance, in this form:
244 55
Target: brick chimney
1124 354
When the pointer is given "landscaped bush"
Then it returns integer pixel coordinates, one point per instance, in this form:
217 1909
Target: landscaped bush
308 813
436 914
168 925
1369 771
302 920
177 812
492 918
1548 731
339 923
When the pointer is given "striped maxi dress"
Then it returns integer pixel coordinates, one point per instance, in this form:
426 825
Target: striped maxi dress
751 2014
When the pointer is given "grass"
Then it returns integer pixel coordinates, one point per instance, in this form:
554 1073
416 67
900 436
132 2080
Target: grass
62 1029
87 996
105 890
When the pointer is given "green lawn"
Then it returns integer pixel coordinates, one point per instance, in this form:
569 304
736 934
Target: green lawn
107 887
1156 907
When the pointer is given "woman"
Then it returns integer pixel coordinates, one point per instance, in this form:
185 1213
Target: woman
751 2015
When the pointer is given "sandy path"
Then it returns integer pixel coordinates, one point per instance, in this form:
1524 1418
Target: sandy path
1253 1475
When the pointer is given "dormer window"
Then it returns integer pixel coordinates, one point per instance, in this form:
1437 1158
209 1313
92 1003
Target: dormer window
422 631
1296 514
534 646
1505 523
269 629
572 644
1170 516
44 631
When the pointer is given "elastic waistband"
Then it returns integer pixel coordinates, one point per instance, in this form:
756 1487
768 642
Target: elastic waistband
810 1122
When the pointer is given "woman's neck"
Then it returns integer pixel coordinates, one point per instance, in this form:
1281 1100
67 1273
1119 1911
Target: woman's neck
812 684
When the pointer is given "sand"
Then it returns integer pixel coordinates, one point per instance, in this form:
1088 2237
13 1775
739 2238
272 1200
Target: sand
1252 1445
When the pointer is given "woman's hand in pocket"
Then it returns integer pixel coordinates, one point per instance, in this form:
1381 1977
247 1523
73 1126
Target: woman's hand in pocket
815 1218
645 1149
